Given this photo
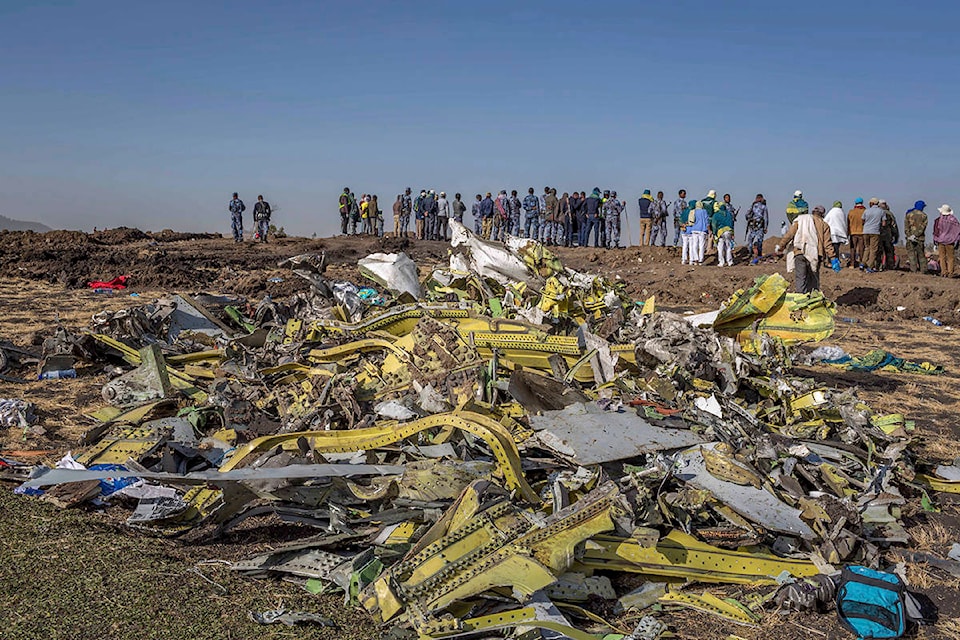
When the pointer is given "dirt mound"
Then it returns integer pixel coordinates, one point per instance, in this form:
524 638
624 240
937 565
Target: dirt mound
169 235
120 235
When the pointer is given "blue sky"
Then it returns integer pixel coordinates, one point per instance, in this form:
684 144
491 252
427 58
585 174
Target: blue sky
150 114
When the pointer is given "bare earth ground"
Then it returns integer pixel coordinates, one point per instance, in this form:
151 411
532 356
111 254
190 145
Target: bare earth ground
82 574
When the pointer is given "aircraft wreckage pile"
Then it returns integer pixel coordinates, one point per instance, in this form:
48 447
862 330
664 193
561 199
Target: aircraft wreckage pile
483 446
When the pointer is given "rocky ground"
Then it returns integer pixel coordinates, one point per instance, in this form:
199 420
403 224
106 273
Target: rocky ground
83 575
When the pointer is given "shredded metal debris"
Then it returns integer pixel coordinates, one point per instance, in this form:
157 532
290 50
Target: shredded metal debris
503 432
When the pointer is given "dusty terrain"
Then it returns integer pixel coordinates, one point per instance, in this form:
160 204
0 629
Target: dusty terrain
81 574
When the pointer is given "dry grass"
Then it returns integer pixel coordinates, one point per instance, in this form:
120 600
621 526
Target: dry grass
921 575
932 536
944 630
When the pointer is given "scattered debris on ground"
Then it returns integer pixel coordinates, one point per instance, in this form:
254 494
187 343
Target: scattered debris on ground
499 441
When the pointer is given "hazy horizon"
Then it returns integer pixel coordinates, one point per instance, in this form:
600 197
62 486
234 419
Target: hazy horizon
150 116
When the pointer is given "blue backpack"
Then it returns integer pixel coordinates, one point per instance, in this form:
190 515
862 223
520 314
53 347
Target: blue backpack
872 604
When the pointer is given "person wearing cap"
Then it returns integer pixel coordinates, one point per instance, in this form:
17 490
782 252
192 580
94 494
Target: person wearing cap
443 217
680 212
418 213
406 208
946 234
796 206
531 215
236 208
261 217
645 207
872 219
915 230
836 219
855 231
612 209
810 236
757 222
889 237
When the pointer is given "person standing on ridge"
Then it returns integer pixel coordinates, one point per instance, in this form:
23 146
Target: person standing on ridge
443 217
591 212
734 214
475 212
855 230
680 213
459 208
406 208
915 229
261 215
236 208
566 220
430 215
551 215
757 221
811 246
612 209
721 226
344 210
872 219
659 213
486 215
515 207
946 234
376 214
397 214
418 214
531 211
709 204
501 213
700 230
645 208
836 219
889 237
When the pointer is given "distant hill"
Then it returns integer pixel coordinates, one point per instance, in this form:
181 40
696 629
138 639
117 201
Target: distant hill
7 224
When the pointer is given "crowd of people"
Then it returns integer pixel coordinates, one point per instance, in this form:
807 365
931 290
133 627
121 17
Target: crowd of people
810 237
699 226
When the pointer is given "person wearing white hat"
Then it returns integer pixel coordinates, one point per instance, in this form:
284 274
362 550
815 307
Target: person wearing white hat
946 234
797 206
710 205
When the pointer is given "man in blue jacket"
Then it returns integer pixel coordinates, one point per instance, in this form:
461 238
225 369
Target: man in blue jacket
236 208
531 213
591 209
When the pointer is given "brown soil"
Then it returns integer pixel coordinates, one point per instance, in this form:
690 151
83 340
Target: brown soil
44 281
